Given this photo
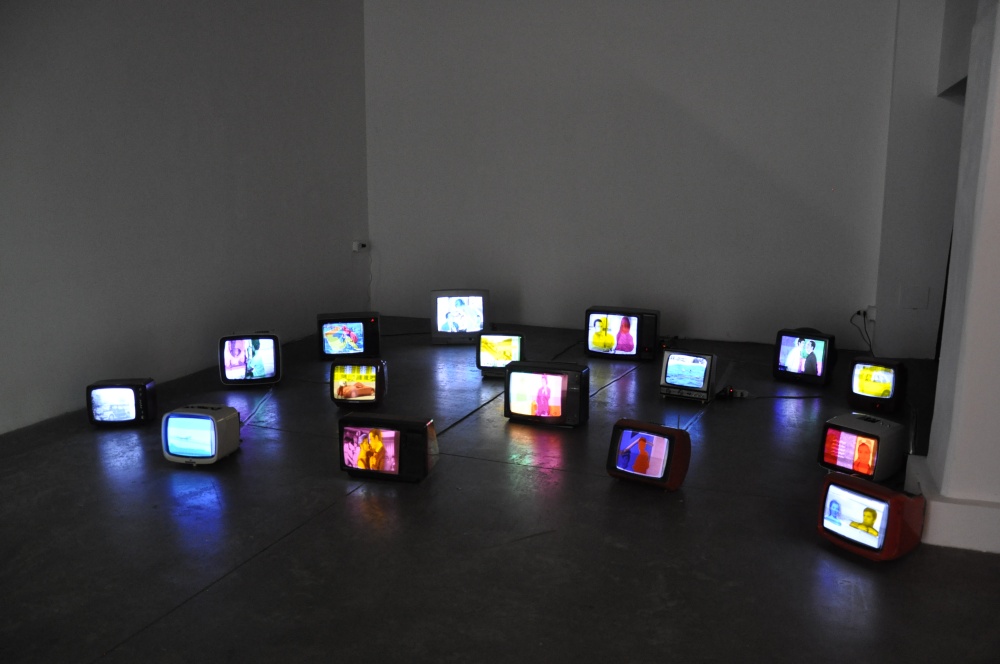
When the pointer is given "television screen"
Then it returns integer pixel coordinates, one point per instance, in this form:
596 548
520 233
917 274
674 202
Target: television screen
459 315
250 359
121 401
547 392
190 436
497 350
379 446
868 519
649 453
855 516
877 385
622 331
850 451
372 449
864 444
688 375
803 355
354 334
200 433
537 394
358 383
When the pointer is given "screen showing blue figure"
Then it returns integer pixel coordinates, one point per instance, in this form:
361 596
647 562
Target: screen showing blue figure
686 370
642 453
343 338
190 436
460 314
801 355
857 517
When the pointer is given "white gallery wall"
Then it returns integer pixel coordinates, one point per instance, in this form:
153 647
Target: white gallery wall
171 172
721 161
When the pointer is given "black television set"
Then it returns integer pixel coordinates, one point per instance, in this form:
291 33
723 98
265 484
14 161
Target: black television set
200 433
250 359
869 446
351 334
649 453
384 447
804 355
360 384
458 315
688 375
877 385
869 519
496 350
623 332
556 393
121 401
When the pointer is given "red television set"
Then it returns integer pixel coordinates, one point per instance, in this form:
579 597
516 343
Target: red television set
688 375
354 334
555 393
804 355
623 332
869 519
250 359
200 433
362 384
383 447
121 401
649 453
869 446
496 350
877 385
459 315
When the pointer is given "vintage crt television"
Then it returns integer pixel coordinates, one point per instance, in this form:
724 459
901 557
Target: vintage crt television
380 446
121 401
458 315
547 393
649 453
623 332
200 433
877 386
869 519
348 334
804 355
359 384
688 375
496 350
250 359
866 445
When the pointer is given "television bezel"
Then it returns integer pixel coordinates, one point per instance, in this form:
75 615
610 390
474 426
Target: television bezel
579 387
465 337
143 392
243 382
807 333
370 322
226 421
497 372
416 459
381 381
678 454
646 333
673 390
903 522
872 404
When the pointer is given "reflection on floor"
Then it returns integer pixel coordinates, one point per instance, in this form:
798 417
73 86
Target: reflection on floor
518 546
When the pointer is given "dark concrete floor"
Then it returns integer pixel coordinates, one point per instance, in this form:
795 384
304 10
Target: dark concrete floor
518 546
